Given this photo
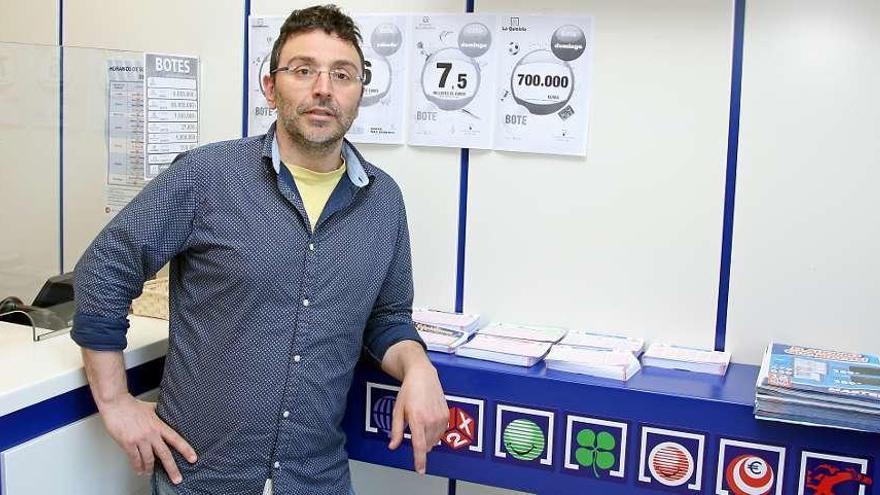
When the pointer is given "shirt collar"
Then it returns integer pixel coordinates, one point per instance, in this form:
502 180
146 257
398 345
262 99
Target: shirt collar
354 167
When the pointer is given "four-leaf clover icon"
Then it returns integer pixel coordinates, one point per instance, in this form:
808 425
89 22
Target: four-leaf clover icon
595 450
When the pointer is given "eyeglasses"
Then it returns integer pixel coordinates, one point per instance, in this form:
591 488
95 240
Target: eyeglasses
306 74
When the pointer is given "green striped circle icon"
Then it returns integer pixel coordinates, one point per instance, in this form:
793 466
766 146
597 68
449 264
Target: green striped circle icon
523 439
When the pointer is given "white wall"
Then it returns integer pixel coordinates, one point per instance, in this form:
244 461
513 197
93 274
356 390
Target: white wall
806 231
626 240
629 239
29 188
33 22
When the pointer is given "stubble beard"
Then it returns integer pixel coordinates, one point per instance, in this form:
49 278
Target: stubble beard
319 141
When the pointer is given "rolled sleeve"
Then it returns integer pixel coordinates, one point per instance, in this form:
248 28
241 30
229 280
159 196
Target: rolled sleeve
385 337
99 334
143 237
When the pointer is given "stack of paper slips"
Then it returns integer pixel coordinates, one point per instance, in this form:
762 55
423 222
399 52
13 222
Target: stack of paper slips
443 331
519 352
686 358
522 345
583 338
604 363
525 332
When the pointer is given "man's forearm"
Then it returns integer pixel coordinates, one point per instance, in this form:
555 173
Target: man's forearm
132 423
403 356
106 373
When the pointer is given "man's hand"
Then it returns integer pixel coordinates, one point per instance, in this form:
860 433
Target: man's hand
134 425
420 402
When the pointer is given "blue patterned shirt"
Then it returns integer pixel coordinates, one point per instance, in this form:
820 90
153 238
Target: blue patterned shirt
267 318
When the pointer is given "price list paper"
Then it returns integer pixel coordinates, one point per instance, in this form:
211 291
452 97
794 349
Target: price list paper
125 133
453 67
544 85
172 104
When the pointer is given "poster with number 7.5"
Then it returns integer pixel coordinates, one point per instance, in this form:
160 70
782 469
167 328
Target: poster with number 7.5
453 67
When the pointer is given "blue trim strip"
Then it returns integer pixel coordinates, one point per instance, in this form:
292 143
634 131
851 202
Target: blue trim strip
462 224
38 419
730 183
61 136
462 229
60 22
245 71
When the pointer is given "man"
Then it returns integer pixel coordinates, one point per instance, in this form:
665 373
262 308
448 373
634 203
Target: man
289 252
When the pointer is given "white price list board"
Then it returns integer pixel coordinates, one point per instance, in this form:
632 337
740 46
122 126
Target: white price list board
171 97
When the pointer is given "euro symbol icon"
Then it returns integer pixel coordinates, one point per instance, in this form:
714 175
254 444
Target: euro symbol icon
756 468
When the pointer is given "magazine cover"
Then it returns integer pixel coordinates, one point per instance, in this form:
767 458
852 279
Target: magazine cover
846 374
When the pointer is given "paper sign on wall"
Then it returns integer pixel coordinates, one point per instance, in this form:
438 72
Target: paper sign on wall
453 66
381 113
125 133
171 97
544 83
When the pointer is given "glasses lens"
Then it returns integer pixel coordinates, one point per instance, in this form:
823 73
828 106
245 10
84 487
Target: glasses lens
305 74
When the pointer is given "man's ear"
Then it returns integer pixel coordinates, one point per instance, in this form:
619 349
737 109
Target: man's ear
269 89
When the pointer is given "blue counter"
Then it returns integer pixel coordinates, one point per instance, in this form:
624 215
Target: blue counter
556 433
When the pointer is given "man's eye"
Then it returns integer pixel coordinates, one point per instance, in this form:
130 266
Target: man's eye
303 71
341 75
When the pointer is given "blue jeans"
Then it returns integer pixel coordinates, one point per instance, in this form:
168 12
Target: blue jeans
161 485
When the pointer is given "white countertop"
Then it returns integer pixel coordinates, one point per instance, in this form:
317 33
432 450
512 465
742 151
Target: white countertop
31 372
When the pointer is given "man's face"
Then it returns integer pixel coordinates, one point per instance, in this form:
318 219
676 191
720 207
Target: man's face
315 113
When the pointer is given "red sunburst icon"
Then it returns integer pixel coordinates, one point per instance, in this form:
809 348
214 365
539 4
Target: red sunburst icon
671 464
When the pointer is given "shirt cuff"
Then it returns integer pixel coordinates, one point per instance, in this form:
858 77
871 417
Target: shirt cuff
386 337
99 333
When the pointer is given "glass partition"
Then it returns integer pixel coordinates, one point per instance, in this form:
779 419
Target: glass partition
29 163
72 149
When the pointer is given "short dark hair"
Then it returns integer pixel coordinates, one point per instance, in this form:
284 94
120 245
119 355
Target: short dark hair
325 17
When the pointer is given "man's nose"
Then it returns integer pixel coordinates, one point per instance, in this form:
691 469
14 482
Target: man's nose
322 85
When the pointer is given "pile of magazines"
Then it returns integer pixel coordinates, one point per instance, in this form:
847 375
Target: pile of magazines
819 387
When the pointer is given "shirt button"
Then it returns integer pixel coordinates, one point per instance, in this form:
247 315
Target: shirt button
296 358
311 247
285 413
305 302
276 465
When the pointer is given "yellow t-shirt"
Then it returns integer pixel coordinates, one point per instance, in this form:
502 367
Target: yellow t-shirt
315 188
